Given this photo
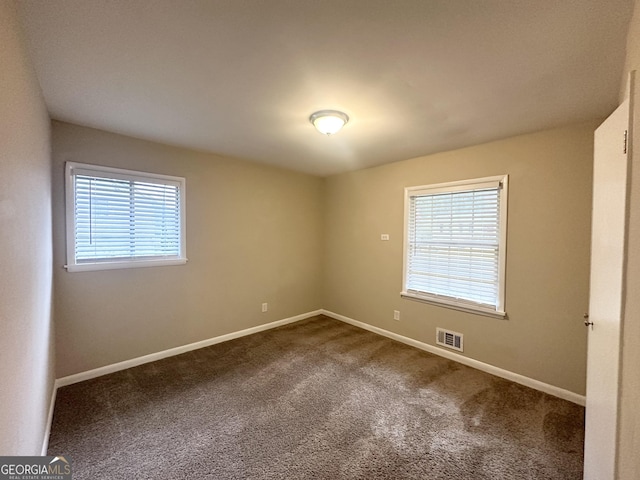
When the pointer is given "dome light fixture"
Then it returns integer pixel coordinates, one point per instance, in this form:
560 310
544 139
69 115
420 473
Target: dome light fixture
328 122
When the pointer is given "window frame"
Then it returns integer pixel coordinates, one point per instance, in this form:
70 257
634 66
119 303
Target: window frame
72 265
451 302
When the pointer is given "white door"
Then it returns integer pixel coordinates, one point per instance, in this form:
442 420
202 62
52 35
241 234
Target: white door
605 302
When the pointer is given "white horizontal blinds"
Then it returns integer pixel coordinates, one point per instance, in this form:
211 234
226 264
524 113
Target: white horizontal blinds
125 218
453 247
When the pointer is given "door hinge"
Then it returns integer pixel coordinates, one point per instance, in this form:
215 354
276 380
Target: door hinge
624 149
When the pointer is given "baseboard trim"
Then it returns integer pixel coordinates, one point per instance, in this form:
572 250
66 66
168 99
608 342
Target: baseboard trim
47 427
485 367
134 362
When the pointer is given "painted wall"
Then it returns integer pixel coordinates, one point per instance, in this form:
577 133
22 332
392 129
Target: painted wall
26 359
632 58
628 463
550 176
253 236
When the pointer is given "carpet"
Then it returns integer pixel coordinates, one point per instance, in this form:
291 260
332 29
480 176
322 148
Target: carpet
316 399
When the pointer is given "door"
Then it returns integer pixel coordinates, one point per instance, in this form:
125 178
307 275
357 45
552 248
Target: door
606 293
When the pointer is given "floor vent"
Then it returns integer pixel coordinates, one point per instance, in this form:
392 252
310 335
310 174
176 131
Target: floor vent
449 339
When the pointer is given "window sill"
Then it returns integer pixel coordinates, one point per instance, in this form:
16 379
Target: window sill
87 267
478 310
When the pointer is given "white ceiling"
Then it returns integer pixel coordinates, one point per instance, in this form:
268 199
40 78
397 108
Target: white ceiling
241 77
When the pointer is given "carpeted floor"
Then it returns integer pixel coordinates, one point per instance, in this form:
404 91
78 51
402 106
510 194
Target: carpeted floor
317 399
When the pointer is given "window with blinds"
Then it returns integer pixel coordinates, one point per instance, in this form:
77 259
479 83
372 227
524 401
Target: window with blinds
455 244
120 218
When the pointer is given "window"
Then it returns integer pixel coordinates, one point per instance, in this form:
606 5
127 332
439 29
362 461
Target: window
455 244
122 219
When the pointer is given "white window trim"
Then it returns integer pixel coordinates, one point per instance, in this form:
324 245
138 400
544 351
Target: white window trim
73 168
465 306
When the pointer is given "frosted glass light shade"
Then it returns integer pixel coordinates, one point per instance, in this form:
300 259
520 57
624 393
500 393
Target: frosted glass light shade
328 122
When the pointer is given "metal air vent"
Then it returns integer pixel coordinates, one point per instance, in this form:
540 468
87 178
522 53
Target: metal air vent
449 339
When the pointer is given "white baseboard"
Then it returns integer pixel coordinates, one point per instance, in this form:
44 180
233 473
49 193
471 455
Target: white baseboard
47 428
485 367
134 362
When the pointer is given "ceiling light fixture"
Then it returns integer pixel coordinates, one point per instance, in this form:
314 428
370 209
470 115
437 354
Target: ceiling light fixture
328 122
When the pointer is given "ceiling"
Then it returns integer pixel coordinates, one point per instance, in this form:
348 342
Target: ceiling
241 77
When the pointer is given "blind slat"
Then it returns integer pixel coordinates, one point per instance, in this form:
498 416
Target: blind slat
118 218
454 244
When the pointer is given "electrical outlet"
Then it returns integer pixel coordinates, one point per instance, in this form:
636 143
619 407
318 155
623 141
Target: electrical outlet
265 307
396 314
384 237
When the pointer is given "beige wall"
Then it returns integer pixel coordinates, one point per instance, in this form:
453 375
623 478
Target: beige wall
632 59
550 175
253 236
26 360
628 459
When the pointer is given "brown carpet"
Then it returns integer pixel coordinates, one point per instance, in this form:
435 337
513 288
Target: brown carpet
316 399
